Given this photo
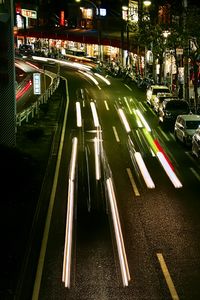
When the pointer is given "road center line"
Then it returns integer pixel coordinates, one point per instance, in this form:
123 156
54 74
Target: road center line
167 277
106 104
116 134
195 173
128 87
134 186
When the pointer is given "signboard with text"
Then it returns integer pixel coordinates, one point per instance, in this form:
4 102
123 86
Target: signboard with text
37 83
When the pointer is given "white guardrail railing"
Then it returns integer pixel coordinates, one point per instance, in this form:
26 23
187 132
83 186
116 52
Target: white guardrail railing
33 109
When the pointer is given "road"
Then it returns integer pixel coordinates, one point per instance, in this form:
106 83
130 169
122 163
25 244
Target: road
152 251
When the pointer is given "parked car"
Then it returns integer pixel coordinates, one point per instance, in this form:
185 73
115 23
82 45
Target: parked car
153 90
185 127
26 49
170 109
160 98
196 143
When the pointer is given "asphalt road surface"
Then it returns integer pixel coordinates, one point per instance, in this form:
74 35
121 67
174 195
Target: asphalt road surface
133 236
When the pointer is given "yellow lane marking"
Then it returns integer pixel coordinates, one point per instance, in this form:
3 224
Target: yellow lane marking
167 277
116 134
134 186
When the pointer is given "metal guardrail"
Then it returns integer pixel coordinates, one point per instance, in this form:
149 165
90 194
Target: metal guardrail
33 110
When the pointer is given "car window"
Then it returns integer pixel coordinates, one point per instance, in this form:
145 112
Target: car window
164 90
192 124
177 105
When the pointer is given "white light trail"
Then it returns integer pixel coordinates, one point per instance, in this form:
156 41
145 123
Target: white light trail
124 120
94 114
68 236
146 125
73 158
172 176
143 169
97 159
90 76
137 119
78 115
69 220
118 234
103 78
127 104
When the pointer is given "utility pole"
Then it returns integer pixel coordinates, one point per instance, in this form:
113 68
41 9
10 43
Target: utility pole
7 76
185 53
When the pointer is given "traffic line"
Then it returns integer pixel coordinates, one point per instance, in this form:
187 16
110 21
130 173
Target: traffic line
195 173
163 134
106 105
134 186
128 87
167 276
116 134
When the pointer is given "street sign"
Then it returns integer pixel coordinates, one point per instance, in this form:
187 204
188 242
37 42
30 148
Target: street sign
37 83
179 51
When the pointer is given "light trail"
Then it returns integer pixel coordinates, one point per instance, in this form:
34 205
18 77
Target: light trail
97 158
94 114
90 77
143 169
144 122
172 176
102 78
139 123
118 233
128 106
78 115
21 92
66 274
124 120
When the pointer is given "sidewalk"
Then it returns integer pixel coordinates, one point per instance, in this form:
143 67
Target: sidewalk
24 169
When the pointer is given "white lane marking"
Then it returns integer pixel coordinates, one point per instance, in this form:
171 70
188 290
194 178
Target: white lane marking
195 173
134 186
167 277
142 106
172 136
128 87
116 134
163 133
143 169
106 104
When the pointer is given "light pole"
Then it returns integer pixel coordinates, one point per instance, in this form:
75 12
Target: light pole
7 75
185 52
146 5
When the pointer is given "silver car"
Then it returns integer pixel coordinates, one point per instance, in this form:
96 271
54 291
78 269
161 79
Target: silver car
185 127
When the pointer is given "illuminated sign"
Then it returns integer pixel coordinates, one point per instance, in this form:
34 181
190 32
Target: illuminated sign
133 11
62 18
37 83
32 14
